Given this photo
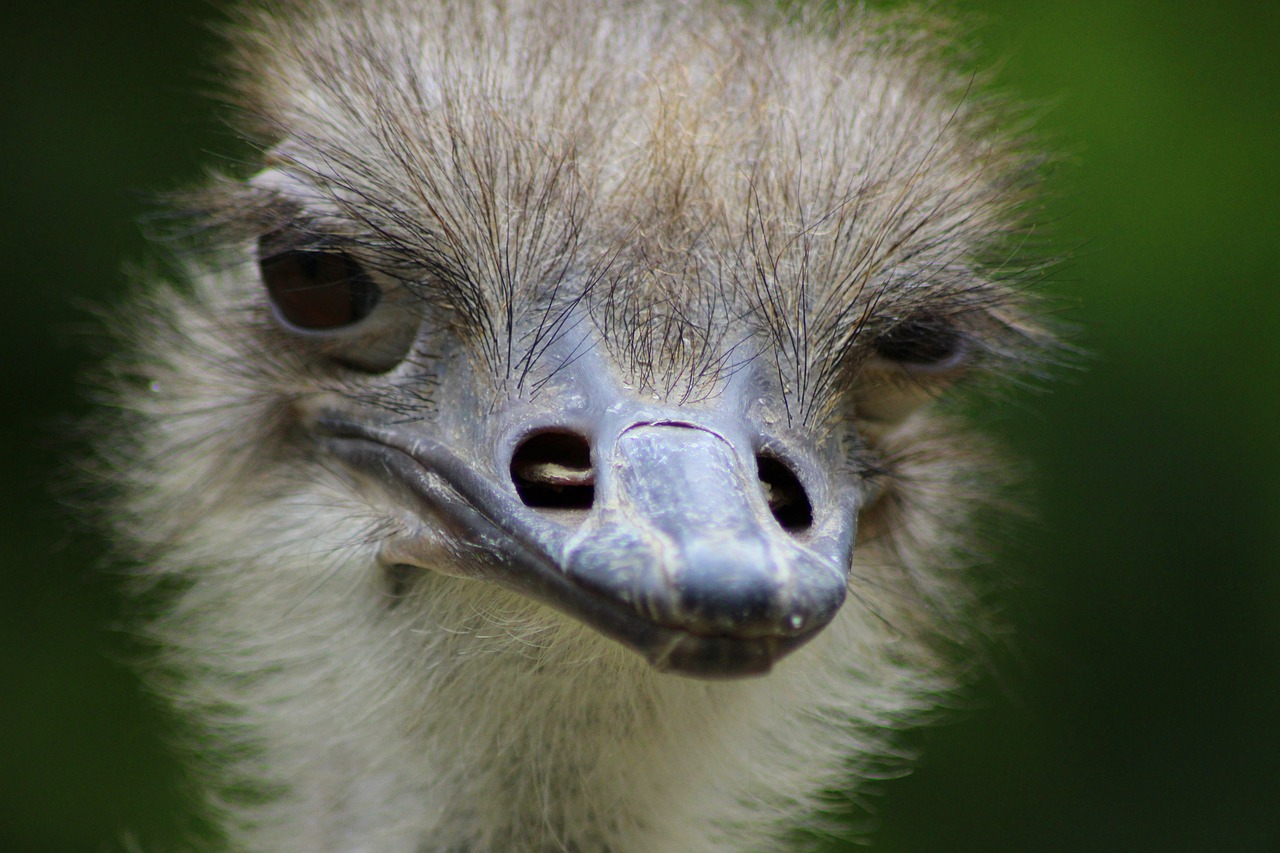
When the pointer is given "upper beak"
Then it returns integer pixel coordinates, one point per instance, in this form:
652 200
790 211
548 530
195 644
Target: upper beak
683 535
679 555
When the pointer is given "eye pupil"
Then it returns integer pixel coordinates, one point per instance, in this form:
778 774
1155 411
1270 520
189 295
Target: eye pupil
925 342
318 291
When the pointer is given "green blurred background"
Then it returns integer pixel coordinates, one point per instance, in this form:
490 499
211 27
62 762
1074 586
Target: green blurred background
1138 708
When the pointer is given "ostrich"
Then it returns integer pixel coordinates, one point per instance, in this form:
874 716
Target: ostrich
542 447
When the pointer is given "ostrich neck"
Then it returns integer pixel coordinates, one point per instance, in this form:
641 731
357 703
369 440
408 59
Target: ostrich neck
520 732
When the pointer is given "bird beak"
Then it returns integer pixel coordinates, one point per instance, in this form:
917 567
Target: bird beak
664 532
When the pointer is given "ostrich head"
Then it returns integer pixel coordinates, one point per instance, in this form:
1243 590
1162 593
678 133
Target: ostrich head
559 367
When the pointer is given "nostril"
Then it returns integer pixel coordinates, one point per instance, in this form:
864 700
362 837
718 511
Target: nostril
552 470
786 496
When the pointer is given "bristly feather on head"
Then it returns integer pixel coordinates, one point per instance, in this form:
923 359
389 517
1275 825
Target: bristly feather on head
696 177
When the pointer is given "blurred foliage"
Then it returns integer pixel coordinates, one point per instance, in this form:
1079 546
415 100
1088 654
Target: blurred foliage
1137 708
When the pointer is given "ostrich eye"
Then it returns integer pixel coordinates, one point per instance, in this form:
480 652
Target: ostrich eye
927 343
318 291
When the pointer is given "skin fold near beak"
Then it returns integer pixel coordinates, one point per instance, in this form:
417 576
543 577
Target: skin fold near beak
679 551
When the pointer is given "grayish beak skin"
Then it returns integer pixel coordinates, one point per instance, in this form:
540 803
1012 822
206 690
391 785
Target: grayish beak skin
667 541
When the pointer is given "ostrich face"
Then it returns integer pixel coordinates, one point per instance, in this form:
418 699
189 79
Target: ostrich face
683 512
627 324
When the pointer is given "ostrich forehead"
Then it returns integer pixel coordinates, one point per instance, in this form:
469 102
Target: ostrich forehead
688 173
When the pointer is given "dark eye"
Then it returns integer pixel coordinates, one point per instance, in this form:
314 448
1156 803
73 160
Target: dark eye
318 291
925 342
